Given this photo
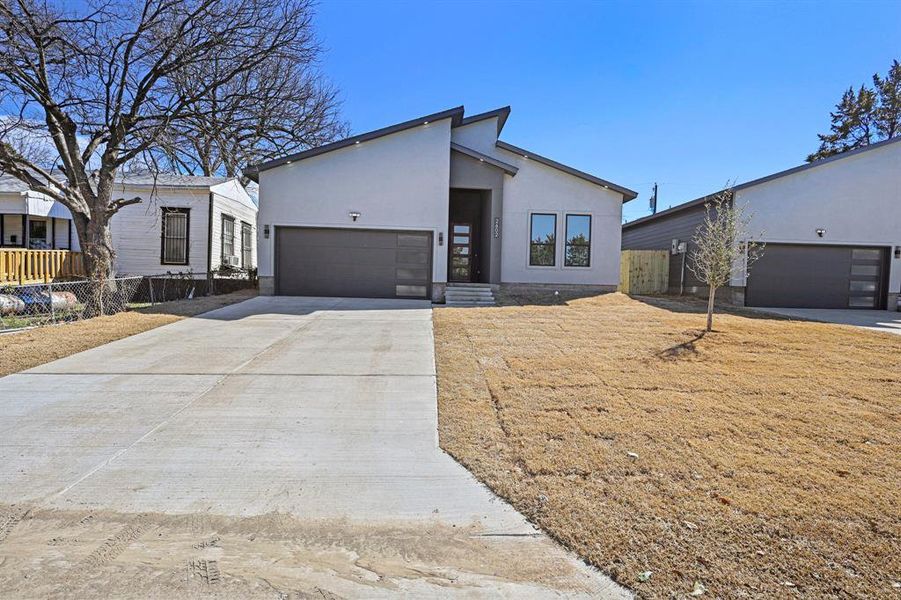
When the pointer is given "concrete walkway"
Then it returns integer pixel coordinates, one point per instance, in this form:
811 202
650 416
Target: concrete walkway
323 410
877 320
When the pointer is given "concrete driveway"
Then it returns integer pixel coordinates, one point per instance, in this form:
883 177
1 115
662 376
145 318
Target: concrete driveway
877 320
275 447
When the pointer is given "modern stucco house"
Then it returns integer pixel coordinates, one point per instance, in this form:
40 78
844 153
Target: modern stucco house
409 209
184 224
832 230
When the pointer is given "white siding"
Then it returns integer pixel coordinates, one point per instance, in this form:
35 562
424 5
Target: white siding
399 181
856 199
231 199
480 136
136 231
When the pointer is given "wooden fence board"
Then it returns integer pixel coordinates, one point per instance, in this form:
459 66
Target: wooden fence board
644 271
22 266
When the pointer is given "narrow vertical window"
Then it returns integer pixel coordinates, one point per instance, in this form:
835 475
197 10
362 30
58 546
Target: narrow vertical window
578 241
543 240
228 237
246 245
175 228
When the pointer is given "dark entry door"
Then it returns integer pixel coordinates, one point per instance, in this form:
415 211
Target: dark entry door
818 276
362 263
461 256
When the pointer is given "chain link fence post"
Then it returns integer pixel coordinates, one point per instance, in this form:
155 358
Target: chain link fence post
52 303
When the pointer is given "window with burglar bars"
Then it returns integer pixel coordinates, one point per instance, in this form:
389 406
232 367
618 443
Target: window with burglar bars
228 237
246 245
175 228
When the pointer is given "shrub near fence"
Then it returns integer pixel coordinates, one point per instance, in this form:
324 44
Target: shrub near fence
166 289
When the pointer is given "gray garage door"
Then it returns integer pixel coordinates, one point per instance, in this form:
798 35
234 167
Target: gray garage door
811 276
362 263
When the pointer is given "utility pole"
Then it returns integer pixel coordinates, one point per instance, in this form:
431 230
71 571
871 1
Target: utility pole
654 200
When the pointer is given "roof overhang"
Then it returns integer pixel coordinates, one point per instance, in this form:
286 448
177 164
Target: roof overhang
761 180
484 158
626 192
454 114
500 113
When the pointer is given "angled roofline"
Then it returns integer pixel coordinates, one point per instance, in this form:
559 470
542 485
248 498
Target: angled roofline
455 114
626 192
501 114
505 167
765 179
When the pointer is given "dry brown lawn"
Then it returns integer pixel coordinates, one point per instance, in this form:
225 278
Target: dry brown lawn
763 459
33 347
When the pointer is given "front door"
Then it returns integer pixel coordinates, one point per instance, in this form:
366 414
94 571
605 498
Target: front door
461 252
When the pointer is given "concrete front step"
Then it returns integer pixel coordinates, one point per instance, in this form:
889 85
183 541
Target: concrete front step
469 295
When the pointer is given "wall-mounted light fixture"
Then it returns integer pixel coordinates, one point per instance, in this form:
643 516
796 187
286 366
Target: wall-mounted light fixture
354 215
266 232
440 238
821 232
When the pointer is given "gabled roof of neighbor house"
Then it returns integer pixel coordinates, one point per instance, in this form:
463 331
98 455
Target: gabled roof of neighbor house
455 114
505 167
11 185
741 186
626 192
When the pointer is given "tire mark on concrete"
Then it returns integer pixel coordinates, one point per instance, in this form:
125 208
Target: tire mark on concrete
206 570
10 521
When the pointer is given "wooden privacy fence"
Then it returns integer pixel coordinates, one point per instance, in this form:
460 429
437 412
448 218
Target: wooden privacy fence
18 267
644 271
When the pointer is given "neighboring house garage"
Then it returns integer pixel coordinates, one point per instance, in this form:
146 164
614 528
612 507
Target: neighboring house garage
831 228
819 276
361 263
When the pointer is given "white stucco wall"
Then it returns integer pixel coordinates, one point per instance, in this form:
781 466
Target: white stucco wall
856 199
543 189
399 181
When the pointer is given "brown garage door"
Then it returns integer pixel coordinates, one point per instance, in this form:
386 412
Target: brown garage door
813 276
361 263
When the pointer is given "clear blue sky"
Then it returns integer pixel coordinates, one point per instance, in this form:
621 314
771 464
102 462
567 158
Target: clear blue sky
688 94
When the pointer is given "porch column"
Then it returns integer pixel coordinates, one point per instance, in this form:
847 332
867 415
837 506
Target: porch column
2 233
24 231
53 232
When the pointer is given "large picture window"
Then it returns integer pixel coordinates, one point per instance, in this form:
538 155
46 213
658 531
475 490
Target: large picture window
246 245
174 247
228 237
577 252
543 240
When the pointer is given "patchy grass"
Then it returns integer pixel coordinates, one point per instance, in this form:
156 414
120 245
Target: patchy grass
26 349
762 459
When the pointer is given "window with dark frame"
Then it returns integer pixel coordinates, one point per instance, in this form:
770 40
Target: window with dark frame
174 236
228 236
577 251
246 245
543 240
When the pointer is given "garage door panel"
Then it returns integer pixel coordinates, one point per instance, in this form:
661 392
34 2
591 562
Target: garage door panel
353 263
817 276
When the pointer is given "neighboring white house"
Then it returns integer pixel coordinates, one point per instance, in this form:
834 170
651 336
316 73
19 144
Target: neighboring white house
184 224
832 230
406 210
31 220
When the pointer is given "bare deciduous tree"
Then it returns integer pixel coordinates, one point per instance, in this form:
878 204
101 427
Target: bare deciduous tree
106 85
722 246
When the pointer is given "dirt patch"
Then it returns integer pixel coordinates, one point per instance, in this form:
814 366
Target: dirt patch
66 554
27 349
762 459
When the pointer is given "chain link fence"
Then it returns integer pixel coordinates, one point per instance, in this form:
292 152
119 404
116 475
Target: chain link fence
57 302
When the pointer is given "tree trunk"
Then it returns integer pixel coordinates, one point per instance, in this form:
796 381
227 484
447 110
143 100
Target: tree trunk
710 300
98 255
